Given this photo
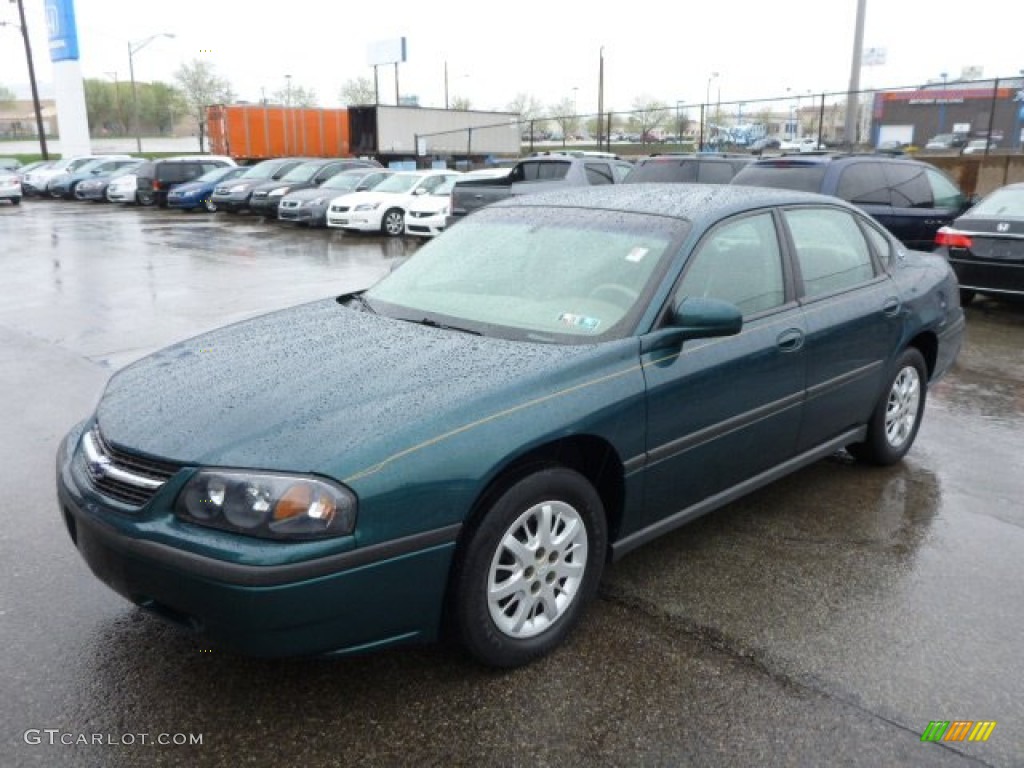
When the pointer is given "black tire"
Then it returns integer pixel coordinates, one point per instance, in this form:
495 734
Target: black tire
966 296
897 416
559 574
145 198
392 223
15 201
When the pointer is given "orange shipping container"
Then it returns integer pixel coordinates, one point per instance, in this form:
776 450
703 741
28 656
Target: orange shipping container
249 132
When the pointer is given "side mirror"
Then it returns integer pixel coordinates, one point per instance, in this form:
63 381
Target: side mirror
695 317
419 191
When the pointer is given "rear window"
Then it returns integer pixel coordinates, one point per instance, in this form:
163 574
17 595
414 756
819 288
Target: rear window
660 170
1006 203
802 178
540 171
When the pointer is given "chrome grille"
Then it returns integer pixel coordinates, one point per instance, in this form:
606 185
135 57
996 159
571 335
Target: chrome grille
259 194
126 477
220 191
290 203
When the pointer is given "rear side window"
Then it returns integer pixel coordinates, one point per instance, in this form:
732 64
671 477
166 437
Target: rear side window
908 185
599 173
802 178
830 249
714 172
864 183
537 171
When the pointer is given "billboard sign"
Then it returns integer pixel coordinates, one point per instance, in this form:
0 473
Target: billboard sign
60 22
386 52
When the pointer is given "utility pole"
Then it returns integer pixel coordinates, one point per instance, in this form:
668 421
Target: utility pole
853 95
32 80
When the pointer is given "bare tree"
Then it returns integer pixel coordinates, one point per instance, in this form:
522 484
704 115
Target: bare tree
461 103
295 96
201 86
649 115
7 96
563 114
357 90
526 106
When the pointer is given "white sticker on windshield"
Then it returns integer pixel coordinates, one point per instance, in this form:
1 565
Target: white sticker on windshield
579 321
636 254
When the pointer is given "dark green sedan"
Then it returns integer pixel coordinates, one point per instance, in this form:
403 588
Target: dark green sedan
542 389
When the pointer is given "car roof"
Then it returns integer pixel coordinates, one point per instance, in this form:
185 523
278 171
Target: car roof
823 158
683 201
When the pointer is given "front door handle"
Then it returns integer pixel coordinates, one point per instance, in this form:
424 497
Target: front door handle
891 307
790 340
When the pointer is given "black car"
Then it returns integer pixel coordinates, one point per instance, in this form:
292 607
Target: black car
702 168
156 177
234 196
312 173
910 198
986 245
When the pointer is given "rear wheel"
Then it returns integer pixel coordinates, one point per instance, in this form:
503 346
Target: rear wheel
145 198
529 568
15 201
897 416
393 223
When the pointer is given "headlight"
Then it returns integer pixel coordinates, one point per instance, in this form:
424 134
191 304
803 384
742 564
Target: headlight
278 192
238 188
367 207
316 202
268 505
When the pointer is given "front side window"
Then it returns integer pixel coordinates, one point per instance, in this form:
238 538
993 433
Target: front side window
909 185
830 250
599 173
738 262
944 191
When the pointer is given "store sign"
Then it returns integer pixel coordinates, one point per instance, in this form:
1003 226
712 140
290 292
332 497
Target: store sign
60 22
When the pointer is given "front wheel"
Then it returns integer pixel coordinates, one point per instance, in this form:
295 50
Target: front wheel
393 223
897 416
145 198
529 568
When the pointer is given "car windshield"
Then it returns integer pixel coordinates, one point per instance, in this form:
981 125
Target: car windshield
399 183
91 165
1003 203
125 170
562 275
346 182
261 171
216 174
303 172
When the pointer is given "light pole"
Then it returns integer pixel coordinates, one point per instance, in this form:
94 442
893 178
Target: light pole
600 96
288 90
707 103
32 79
942 104
134 48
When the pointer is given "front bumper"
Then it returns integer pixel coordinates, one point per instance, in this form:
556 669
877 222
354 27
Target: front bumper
316 216
265 206
363 221
425 226
1004 277
90 193
232 202
345 602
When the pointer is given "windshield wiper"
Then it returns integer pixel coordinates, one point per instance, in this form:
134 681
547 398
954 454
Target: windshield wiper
434 324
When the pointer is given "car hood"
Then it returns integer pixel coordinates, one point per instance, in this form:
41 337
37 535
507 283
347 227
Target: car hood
322 388
369 196
310 193
191 188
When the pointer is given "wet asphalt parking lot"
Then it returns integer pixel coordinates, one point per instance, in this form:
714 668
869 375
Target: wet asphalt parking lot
825 620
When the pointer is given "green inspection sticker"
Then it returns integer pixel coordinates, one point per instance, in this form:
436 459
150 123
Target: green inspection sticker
579 321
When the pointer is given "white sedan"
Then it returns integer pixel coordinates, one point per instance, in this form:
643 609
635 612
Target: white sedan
10 187
123 189
426 216
382 209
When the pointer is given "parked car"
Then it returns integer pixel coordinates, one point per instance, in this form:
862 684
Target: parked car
32 167
124 187
946 141
978 146
382 209
198 194
64 185
312 173
765 143
804 144
157 177
912 199
428 214
986 245
534 393
309 206
702 167
36 181
95 188
10 187
10 164
234 197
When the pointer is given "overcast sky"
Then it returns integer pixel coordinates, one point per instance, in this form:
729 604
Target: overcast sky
549 50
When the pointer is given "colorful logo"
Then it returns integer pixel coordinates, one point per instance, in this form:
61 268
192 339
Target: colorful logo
958 730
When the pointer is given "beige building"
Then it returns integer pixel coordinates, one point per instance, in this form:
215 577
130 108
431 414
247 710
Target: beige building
18 119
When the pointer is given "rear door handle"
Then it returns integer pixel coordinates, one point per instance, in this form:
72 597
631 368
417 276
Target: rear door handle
790 340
